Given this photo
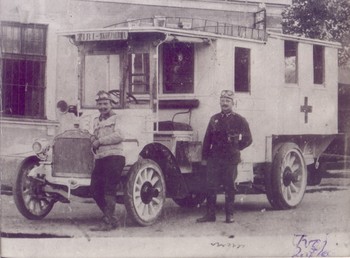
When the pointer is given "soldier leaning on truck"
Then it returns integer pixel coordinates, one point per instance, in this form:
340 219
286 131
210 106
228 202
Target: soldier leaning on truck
109 161
227 134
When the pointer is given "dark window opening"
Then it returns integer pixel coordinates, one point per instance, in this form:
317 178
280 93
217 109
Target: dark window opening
178 70
139 73
318 56
291 61
242 69
23 69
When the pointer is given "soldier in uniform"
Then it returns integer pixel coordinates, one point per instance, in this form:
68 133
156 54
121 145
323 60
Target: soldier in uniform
227 134
109 161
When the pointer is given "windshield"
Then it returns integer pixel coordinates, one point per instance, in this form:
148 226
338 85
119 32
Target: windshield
100 72
86 68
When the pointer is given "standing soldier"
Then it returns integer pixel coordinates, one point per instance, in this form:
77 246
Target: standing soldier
227 134
109 161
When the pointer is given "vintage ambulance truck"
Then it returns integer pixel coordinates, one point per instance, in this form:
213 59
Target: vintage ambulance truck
166 75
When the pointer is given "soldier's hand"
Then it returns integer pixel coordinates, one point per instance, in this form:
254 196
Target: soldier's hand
204 162
93 138
95 144
233 138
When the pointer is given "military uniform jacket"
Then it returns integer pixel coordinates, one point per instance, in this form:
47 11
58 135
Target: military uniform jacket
226 135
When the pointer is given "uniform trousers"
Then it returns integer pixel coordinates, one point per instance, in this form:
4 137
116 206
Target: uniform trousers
104 180
220 172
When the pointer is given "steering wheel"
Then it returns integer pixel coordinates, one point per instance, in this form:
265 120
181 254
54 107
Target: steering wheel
130 98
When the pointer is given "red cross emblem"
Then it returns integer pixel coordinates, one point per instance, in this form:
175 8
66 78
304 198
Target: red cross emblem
306 109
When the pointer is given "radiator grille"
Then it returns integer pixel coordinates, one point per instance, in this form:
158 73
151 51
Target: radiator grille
72 157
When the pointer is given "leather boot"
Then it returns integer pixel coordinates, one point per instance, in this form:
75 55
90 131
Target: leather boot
109 211
210 214
229 202
109 221
103 226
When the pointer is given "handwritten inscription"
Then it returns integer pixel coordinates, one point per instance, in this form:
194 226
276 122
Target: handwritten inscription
98 36
307 246
227 245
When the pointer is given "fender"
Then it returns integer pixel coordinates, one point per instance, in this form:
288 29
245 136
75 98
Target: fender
175 182
29 159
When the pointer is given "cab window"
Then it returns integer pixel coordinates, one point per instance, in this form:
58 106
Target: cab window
139 73
291 61
178 68
318 58
242 69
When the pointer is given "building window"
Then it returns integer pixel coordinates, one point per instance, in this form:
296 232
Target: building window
242 69
23 62
139 73
178 69
291 61
318 55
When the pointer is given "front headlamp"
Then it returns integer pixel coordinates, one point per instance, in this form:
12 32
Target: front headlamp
41 148
37 147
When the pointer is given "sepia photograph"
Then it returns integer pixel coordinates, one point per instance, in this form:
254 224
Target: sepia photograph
183 128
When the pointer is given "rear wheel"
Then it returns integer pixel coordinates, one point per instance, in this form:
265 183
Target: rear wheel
145 192
191 201
29 197
286 182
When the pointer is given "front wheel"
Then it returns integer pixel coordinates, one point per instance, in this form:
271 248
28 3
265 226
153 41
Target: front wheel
286 182
145 192
29 197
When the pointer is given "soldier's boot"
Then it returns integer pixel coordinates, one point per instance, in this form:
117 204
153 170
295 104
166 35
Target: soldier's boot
109 221
229 203
210 213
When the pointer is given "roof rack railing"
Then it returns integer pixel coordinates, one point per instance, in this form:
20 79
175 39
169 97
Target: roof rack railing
196 24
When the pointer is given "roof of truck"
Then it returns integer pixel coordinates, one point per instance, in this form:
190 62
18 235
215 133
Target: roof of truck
193 30
304 39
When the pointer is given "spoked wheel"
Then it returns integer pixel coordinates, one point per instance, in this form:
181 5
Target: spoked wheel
286 183
191 201
129 97
145 192
29 197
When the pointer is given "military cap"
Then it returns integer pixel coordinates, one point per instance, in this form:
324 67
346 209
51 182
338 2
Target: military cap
227 94
103 95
